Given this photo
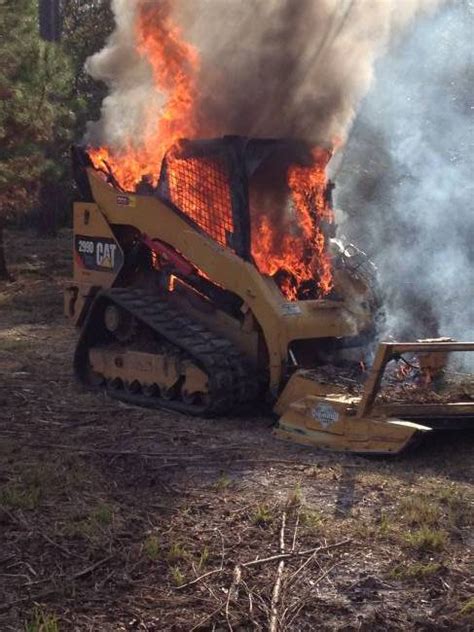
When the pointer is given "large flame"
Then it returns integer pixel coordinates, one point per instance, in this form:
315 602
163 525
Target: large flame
174 64
298 258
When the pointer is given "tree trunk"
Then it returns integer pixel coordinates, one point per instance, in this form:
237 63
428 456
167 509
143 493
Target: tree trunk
50 20
48 201
4 276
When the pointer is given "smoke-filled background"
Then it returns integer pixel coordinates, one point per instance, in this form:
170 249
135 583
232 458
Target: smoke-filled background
286 68
406 180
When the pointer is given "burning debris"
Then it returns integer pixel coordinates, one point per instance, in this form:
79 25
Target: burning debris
417 377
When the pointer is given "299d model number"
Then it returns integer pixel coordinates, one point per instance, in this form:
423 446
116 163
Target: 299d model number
86 247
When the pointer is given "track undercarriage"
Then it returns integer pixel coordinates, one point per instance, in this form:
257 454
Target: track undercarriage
142 350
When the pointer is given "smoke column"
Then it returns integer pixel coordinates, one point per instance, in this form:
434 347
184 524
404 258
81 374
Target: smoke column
407 177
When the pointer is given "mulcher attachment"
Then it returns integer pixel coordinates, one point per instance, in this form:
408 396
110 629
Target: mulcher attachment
326 416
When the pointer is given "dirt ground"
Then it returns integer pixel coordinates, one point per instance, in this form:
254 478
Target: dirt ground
118 518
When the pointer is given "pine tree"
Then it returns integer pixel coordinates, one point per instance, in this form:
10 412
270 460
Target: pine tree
35 109
85 28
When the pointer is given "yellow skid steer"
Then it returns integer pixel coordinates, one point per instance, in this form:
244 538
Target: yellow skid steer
174 311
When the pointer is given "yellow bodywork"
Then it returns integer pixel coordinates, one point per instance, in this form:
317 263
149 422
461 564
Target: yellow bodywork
280 321
329 420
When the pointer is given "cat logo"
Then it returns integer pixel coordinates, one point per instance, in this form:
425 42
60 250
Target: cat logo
98 253
105 255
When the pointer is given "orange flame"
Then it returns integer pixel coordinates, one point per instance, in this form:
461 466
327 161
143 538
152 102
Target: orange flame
174 64
302 258
299 257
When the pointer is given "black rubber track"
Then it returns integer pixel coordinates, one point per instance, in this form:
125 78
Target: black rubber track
231 384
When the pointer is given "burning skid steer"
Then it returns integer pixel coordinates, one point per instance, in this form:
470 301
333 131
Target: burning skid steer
219 282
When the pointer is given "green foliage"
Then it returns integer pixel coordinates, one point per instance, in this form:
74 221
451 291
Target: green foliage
311 519
86 26
103 515
177 575
177 552
416 570
35 105
385 524
203 558
262 516
17 496
467 608
95 525
222 482
46 98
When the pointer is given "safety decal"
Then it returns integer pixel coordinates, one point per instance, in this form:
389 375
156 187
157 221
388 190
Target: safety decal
325 414
125 200
291 309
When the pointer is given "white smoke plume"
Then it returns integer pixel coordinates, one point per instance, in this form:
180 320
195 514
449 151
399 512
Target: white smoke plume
268 67
132 98
407 178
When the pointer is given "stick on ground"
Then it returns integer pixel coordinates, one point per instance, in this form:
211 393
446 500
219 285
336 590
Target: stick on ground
279 576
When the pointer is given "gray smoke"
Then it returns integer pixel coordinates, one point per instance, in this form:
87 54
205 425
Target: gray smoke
268 67
285 68
407 177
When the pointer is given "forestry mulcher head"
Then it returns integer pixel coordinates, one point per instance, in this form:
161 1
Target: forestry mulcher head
218 282
379 418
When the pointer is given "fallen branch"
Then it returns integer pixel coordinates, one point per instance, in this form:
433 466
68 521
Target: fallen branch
200 578
286 556
295 533
233 592
279 575
272 558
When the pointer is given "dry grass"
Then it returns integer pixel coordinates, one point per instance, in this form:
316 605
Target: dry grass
415 570
42 622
